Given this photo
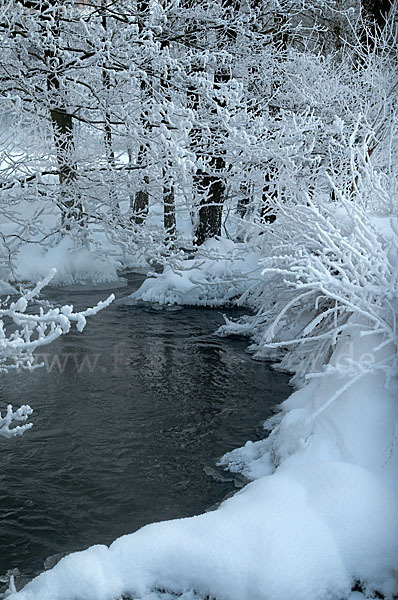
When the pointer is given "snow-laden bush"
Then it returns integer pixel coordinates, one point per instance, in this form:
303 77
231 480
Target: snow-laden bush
332 268
331 320
22 331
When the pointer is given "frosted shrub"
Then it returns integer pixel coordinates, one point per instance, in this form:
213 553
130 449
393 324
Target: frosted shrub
333 268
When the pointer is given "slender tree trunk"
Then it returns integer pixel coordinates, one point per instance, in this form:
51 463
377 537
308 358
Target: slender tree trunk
212 189
245 199
210 185
169 211
69 201
106 84
140 204
140 201
49 18
269 192
210 210
169 207
108 142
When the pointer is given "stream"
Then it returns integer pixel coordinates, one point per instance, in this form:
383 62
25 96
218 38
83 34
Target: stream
129 419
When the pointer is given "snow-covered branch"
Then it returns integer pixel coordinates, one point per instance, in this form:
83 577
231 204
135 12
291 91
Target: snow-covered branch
36 329
22 332
8 428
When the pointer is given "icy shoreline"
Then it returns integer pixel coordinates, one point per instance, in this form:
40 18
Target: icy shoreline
324 519
320 515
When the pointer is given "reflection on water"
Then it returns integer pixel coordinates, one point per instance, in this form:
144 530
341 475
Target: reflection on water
126 418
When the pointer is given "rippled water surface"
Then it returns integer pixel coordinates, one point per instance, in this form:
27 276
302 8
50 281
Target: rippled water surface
127 417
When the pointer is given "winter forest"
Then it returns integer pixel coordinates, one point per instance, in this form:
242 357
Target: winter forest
241 156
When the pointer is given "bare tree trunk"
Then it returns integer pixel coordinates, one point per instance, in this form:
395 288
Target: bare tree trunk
106 84
169 211
210 185
69 201
49 18
169 206
244 200
140 203
269 192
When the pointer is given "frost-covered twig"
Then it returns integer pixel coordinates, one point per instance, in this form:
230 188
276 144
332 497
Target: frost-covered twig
28 332
7 428
36 329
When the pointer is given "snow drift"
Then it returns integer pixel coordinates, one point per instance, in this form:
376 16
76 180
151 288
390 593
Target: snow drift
74 265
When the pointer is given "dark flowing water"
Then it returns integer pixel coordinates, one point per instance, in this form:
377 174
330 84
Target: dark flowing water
127 418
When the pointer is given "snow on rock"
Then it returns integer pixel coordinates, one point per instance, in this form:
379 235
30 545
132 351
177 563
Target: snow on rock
219 274
73 265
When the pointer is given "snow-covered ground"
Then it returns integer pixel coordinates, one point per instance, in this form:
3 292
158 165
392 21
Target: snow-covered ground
31 244
73 265
89 258
321 512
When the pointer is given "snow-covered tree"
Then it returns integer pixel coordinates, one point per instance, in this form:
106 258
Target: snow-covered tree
126 119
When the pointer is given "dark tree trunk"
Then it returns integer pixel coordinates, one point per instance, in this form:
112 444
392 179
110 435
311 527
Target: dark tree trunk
244 200
169 208
106 84
62 124
169 211
69 203
270 192
140 204
212 186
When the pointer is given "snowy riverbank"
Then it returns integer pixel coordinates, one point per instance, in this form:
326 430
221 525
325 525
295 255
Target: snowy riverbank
321 513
